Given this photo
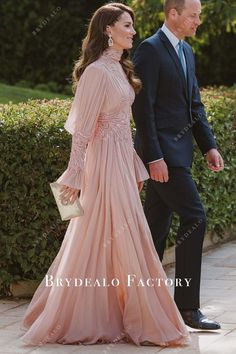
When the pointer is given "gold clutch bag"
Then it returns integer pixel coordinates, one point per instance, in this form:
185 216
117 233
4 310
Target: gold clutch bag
67 211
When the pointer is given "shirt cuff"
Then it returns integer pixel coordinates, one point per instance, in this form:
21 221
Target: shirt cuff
155 160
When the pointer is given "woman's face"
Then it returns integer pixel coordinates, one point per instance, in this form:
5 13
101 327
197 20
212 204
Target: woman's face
122 32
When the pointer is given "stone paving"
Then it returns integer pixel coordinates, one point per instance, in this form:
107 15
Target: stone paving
218 301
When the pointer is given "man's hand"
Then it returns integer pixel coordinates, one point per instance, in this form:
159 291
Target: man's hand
68 194
159 171
214 160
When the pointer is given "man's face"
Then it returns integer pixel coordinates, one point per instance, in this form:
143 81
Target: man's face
188 21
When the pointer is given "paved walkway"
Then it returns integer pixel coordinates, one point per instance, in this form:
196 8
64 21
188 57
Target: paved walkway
218 296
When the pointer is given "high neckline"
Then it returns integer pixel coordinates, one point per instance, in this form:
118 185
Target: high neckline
113 53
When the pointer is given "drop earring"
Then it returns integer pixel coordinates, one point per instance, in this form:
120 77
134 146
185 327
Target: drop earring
110 41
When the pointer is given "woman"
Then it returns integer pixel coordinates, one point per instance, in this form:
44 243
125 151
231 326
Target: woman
107 267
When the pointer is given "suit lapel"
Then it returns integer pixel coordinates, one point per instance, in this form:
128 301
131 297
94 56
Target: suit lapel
175 58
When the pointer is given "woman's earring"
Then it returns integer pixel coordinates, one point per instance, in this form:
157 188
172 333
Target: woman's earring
110 40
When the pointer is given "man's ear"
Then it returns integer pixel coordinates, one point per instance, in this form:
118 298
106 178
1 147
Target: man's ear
173 14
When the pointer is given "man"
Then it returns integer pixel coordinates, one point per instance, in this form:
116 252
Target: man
168 113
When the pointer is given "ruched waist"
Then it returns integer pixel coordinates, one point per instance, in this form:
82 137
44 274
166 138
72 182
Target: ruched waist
113 128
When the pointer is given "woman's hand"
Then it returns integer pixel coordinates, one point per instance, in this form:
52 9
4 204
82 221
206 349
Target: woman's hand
140 186
68 194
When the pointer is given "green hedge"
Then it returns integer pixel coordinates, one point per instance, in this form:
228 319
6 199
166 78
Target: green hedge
35 150
45 39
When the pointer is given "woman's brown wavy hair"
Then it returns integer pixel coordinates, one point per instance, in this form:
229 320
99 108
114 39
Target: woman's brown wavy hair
96 41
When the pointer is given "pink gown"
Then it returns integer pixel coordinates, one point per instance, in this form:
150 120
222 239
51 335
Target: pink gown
102 285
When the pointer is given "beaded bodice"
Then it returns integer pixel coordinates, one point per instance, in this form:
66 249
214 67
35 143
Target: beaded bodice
115 122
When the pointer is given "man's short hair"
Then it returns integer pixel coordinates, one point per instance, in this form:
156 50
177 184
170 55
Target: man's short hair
173 4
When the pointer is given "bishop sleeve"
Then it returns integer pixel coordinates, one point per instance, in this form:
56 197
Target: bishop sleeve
81 122
140 170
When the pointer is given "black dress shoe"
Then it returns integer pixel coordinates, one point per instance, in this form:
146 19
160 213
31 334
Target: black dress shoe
195 319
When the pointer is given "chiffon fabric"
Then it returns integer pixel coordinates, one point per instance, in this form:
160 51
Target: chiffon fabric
86 296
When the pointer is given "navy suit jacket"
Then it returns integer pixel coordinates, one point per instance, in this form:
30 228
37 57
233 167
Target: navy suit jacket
168 111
